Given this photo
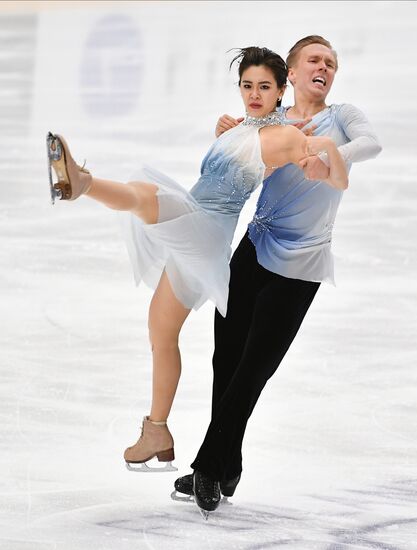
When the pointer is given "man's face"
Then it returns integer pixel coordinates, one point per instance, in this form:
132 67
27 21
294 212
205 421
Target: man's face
314 71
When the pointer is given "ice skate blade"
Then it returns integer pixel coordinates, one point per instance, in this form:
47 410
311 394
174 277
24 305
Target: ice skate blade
204 513
180 497
143 468
54 152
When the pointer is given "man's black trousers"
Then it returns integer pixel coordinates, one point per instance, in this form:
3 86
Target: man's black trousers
264 313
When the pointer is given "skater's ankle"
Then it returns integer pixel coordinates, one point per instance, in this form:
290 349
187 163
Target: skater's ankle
157 421
88 190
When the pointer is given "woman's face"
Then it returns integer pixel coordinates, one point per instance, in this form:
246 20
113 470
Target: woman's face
259 90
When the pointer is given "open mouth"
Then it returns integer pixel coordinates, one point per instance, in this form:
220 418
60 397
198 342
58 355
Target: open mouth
320 80
255 105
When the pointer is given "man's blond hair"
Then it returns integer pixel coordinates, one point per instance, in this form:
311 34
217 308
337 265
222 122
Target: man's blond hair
298 46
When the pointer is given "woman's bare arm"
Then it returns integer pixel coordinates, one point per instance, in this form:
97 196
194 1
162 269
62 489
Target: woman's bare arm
283 144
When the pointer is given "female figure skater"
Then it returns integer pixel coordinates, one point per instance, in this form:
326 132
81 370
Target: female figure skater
180 241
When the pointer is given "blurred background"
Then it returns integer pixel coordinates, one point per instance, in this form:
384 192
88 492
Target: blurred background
331 449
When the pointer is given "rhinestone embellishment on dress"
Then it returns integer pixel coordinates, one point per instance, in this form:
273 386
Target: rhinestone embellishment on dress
271 119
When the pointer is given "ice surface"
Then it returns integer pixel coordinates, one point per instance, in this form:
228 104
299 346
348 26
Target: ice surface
330 454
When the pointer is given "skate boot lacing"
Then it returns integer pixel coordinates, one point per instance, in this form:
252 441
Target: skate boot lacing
83 168
208 488
141 431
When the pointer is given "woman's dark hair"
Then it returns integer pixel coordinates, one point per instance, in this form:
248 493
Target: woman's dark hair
262 56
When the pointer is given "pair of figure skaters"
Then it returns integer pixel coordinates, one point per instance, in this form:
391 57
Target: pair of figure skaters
180 244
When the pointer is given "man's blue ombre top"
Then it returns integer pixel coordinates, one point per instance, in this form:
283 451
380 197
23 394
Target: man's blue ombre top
293 222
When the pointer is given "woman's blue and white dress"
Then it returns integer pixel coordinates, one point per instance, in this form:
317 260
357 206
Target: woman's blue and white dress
192 238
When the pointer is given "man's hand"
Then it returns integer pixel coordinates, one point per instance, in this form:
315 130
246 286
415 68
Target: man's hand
301 126
225 123
314 168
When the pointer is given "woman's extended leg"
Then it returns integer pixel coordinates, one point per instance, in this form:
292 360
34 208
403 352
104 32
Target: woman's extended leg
137 197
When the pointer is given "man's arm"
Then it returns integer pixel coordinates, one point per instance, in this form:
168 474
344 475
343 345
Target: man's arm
363 144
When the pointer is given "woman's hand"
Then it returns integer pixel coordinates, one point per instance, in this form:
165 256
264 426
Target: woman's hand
314 145
314 168
225 123
318 144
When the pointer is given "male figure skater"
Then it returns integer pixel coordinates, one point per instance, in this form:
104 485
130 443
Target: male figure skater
276 270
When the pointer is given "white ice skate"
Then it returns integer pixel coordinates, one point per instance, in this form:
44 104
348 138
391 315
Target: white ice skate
155 441
73 180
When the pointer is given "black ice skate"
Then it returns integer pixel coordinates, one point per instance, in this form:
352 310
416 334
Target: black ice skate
206 493
228 487
184 491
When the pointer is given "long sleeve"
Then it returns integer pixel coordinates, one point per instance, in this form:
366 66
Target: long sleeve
363 142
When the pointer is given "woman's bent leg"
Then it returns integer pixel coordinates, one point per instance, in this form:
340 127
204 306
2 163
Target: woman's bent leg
166 317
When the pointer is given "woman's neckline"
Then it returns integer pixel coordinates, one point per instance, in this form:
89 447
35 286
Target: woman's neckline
275 118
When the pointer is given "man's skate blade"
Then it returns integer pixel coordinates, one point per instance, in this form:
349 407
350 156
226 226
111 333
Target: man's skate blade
204 513
180 497
143 468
